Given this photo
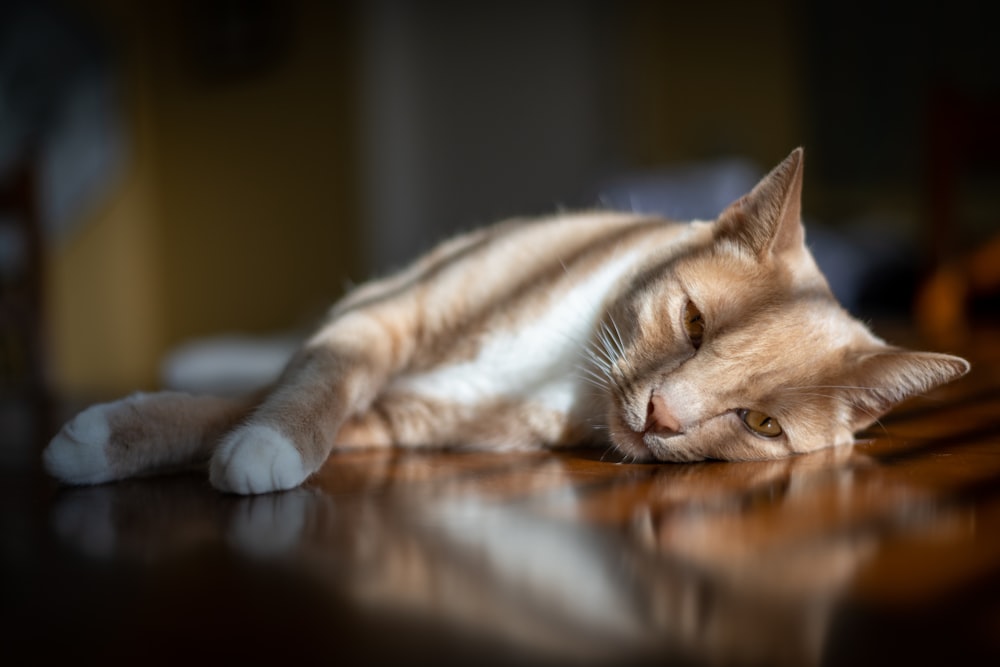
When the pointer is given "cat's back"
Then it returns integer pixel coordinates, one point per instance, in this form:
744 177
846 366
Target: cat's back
524 256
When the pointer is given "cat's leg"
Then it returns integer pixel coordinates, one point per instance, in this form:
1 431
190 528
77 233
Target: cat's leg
140 435
331 381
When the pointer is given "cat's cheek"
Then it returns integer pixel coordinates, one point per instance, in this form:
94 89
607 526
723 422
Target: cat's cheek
719 439
682 448
826 437
744 446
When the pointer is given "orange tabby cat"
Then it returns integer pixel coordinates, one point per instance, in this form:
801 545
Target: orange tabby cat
670 341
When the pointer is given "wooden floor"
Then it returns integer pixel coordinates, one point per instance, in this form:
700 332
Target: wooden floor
885 554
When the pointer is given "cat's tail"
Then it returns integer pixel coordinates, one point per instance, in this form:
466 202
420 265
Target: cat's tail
143 434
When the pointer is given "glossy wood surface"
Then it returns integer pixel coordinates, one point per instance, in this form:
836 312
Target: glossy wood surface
885 553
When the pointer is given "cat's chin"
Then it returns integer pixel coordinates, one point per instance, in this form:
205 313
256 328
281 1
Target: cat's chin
633 446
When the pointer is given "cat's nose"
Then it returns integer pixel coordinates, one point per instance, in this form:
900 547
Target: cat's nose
659 418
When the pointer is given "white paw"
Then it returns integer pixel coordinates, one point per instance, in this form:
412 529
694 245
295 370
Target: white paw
256 459
77 453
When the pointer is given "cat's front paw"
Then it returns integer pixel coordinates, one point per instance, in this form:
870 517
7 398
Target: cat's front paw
256 459
78 453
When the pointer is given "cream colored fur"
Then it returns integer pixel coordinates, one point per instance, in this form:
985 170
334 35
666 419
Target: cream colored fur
558 331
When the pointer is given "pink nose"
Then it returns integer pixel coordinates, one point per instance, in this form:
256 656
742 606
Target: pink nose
659 418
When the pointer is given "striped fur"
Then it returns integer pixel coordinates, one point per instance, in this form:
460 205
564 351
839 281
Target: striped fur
558 331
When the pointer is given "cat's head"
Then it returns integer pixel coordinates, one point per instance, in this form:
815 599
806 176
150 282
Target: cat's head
737 349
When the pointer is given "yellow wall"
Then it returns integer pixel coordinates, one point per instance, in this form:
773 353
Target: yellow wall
234 212
105 288
255 184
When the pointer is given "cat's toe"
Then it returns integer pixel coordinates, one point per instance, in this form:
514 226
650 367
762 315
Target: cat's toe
78 454
256 459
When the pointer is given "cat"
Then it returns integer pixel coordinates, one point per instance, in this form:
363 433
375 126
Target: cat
666 341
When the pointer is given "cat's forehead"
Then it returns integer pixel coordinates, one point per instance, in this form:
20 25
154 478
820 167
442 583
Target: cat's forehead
777 323
777 310
808 319
726 269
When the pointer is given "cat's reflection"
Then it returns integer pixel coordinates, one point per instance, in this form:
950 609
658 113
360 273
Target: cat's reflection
718 563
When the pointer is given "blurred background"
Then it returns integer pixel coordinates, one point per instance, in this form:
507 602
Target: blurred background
176 173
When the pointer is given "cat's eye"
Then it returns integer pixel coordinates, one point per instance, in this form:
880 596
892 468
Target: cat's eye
694 324
760 423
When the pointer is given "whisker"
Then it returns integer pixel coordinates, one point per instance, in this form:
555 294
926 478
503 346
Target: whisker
594 367
602 346
604 335
593 383
618 336
836 386
586 372
596 385
597 356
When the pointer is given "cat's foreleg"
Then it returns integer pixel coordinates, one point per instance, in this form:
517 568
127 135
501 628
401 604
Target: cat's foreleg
335 377
140 435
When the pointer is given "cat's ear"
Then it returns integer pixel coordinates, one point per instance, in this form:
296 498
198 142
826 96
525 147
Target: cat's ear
882 378
768 219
